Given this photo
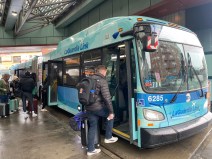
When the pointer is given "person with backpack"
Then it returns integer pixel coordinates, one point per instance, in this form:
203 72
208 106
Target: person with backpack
101 107
27 84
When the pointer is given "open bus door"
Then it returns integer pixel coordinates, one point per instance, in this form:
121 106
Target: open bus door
55 78
121 80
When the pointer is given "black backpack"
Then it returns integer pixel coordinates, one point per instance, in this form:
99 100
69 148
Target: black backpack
87 91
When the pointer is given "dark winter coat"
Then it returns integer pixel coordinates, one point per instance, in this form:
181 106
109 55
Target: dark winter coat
46 83
27 84
103 95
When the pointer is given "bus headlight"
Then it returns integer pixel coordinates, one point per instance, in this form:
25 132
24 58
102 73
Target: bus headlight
153 115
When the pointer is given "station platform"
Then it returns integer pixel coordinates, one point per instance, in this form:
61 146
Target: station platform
49 136
42 137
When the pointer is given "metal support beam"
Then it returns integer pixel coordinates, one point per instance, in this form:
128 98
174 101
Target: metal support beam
78 11
36 21
23 20
42 17
42 13
34 28
70 4
48 4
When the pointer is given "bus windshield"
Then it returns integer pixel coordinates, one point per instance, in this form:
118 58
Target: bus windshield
172 67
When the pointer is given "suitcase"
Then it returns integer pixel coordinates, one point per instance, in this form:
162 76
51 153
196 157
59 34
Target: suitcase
16 104
7 109
84 134
12 105
4 110
35 104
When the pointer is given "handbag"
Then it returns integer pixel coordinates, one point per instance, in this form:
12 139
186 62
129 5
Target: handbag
75 122
34 91
18 93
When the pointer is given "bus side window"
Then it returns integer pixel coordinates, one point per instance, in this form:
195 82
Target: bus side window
71 70
91 59
110 61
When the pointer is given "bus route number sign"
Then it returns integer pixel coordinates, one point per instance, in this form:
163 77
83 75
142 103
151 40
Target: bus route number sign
155 98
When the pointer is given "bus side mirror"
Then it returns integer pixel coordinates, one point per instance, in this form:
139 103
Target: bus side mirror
150 42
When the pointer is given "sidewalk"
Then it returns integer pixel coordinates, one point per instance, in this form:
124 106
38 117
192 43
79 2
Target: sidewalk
49 136
205 149
42 137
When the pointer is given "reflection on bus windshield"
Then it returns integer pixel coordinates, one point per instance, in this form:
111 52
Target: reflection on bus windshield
165 70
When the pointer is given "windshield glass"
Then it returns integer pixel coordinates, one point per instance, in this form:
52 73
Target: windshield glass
197 70
173 67
164 69
176 35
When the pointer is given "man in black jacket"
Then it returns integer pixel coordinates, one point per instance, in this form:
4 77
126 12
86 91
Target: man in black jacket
27 84
101 108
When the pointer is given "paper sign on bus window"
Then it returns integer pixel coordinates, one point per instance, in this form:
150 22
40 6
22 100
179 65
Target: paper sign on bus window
148 83
157 76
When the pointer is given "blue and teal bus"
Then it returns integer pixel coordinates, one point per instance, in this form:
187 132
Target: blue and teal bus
20 69
34 66
157 77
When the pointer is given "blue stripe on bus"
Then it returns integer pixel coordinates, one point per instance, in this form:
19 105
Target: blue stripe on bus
148 100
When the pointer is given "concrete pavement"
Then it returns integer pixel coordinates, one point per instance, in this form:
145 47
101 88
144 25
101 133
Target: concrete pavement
49 137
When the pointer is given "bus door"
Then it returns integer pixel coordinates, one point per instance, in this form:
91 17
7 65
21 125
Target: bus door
55 78
119 79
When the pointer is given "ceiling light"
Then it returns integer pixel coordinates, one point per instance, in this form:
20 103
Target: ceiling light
14 13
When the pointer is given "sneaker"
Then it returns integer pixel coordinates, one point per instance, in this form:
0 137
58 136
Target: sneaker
111 140
43 110
94 152
34 115
26 115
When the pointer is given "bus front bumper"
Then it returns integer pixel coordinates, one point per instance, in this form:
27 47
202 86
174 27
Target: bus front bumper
160 136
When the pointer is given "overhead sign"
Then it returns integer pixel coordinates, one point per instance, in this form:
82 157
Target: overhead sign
6 58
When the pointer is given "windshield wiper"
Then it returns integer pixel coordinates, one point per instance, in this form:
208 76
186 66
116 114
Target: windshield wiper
178 91
183 79
192 67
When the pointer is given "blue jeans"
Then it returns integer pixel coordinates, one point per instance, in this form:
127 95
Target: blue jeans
93 117
26 96
3 99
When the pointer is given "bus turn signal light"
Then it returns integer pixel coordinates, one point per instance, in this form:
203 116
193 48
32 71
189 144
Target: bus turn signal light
120 30
139 122
139 19
150 124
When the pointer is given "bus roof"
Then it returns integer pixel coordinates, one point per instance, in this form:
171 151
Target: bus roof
103 33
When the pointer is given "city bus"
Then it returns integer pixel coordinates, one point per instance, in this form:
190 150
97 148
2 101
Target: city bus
156 72
33 65
20 69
